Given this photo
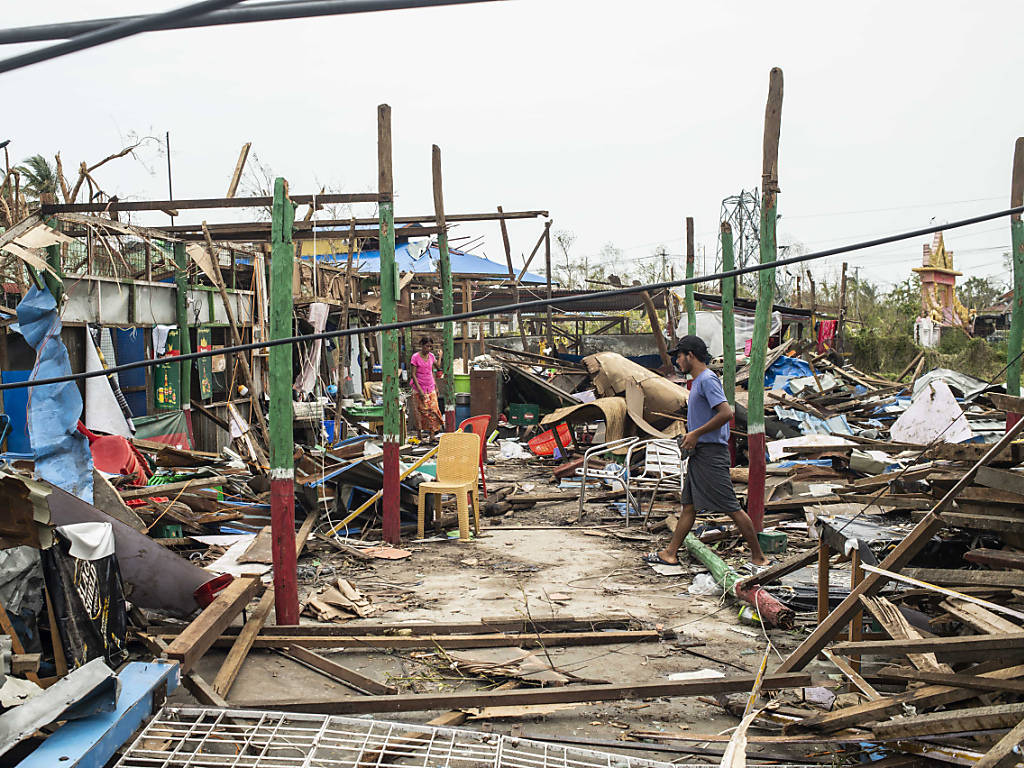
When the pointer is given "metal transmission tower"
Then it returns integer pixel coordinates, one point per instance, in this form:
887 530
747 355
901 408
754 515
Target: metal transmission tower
743 212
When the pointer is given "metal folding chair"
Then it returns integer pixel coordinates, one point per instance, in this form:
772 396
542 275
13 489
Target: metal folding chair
663 465
615 476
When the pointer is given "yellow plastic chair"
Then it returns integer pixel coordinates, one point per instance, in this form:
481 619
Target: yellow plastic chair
458 457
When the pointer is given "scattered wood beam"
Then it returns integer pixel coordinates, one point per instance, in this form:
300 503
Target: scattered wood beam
188 647
332 669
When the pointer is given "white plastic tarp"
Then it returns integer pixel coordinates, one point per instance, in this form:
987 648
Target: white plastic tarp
709 328
933 412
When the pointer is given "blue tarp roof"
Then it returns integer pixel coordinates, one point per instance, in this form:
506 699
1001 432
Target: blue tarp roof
462 263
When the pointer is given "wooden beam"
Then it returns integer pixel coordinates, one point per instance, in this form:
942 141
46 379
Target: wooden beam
232 665
236 177
338 672
188 647
943 647
498 640
995 558
117 206
505 624
563 694
978 617
954 721
852 675
921 534
956 577
1003 480
169 489
973 682
667 363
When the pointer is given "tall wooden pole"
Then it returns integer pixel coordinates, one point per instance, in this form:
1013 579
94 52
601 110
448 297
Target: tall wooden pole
184 339
388 314
729 332
691 309
547 273
512 277
841 324
447 294
282 441
766 285
728 316
1016 341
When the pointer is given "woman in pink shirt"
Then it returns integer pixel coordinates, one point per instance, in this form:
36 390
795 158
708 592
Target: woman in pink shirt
428 412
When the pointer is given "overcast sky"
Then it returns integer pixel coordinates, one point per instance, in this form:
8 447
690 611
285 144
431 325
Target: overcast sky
620 118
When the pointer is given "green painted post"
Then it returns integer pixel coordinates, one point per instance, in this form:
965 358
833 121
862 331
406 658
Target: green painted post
391 527
447 294
1016 341
728 316
282 415
185 341
765 297
691 309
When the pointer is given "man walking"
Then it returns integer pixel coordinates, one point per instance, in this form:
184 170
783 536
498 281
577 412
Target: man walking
707 487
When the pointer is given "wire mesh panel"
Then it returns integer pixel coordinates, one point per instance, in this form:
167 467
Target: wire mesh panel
193 737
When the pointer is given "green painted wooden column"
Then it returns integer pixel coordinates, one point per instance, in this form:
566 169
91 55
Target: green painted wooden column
388 314
691 309
728 316
282 415
765 298
447 293
1015 342
184 338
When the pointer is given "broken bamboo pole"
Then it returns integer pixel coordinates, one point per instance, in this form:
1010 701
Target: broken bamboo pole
771 611
691 309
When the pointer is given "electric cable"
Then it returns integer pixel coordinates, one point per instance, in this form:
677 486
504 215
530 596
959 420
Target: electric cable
115 31
532 304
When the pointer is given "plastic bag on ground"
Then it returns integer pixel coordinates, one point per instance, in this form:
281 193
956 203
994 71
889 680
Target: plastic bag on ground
704 584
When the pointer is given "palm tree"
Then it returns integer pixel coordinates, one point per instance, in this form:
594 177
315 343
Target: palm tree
39 177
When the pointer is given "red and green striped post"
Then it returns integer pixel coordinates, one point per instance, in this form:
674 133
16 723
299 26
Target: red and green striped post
447 294
1016 340
282 441
766 285
392 526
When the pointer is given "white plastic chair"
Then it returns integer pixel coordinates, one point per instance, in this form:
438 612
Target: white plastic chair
615 476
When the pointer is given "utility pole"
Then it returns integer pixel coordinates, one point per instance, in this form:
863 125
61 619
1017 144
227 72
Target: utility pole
282 417
392 527
766 284
691 310
1016 341
447 293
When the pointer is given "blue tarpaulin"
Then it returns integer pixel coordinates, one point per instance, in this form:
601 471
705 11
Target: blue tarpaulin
62 454
427 263
787 367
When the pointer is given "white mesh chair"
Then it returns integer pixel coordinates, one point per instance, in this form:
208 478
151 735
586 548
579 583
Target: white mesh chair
610 475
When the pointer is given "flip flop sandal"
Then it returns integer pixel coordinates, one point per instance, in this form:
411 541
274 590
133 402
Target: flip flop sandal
653 558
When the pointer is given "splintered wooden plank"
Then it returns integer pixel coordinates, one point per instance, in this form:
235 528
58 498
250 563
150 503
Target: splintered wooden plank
955 680
188 647
978 617
774 573
1001 755
896 624
555 695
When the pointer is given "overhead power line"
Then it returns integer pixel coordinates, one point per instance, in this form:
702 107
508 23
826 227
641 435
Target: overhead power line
523 305
272 11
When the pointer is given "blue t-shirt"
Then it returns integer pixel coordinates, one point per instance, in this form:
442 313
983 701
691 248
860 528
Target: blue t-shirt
705 395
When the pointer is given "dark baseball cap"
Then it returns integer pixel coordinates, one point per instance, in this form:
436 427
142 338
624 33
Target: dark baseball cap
693 344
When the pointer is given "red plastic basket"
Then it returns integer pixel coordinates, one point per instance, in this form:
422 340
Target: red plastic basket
544 444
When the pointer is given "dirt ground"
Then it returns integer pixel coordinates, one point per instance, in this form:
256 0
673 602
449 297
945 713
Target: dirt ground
531 564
